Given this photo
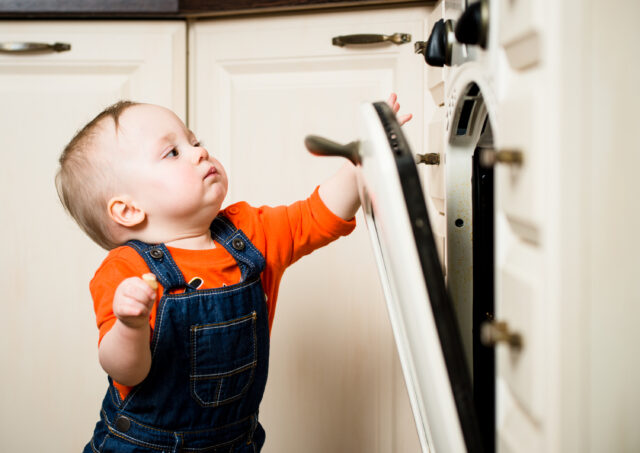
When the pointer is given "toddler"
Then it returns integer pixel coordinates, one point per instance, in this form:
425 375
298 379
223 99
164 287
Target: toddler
187 358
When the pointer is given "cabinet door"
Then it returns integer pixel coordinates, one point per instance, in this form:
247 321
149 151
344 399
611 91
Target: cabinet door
52 384
256 88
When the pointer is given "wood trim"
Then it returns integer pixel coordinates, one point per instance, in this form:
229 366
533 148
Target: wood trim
199 6
175 9
88 6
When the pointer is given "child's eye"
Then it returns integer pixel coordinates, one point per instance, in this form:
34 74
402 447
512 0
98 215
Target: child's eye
173 153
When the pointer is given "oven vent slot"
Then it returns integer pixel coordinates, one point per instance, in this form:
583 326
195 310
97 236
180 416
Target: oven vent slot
465 116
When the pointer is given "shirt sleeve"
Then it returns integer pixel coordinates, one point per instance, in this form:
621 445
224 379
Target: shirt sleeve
298 229
119 265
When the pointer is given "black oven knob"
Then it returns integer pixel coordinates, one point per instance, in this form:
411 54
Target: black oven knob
473 25
438 48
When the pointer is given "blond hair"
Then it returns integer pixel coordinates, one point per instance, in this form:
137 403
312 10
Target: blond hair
85 177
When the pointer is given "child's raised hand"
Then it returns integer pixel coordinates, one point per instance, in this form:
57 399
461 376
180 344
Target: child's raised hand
132 302
395 106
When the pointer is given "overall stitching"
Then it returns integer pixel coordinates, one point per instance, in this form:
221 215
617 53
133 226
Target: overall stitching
155 267
178 436
131 439
234 233
168 259
115 395
195 378
93 446
182 433
220 230
158 327
104 441
177 445
181 280
237 254
231 227
140 443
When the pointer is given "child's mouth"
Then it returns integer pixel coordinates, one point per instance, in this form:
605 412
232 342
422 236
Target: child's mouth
212 171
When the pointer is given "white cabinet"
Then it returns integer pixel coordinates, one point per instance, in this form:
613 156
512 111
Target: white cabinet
256 88
523 188
569 282
52 383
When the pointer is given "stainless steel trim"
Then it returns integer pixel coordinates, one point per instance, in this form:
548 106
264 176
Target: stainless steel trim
451 39
484 28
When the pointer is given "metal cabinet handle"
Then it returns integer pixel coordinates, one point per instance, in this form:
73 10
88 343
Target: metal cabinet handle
494 332
396 38
33 47
489 157
428 159
321 146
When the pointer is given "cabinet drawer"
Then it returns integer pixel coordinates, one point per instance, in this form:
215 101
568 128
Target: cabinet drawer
521 188
48 261
434 174
520 31
517 432
520 286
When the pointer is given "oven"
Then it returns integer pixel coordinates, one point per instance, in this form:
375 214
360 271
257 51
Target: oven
439 287
488 247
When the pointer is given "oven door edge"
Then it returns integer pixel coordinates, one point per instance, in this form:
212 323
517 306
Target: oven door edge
422 316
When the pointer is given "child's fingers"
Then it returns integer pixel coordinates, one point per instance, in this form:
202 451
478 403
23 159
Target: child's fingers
404 118
132 308
140 291
393 102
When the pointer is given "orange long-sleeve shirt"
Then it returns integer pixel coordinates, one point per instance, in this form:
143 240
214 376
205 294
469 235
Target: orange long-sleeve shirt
283 234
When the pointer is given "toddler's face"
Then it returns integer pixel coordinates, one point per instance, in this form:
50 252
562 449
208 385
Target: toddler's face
164 167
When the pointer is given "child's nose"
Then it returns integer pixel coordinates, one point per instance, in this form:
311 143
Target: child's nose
201 154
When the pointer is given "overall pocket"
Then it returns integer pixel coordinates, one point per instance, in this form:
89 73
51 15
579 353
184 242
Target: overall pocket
223 360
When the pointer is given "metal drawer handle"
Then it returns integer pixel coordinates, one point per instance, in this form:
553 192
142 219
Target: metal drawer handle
396 38
489 157
428 159
494 332
33 47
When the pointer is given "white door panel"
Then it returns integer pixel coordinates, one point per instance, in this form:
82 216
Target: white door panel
333 379
51 378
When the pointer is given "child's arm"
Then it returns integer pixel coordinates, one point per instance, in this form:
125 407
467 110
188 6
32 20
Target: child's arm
124 351
340 192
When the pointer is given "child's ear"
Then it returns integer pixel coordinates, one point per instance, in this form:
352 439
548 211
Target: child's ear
124 211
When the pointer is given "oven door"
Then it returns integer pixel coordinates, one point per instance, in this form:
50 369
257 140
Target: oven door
422 316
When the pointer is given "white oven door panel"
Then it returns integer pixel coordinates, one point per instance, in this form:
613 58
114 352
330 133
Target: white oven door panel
420 311
520 28
522 188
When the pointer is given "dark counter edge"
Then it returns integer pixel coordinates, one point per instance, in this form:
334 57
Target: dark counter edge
184 9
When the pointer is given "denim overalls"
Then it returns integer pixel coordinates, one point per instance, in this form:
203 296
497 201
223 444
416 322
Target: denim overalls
210 354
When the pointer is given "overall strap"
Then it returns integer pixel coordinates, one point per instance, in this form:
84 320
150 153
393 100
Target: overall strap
248 257
160 263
